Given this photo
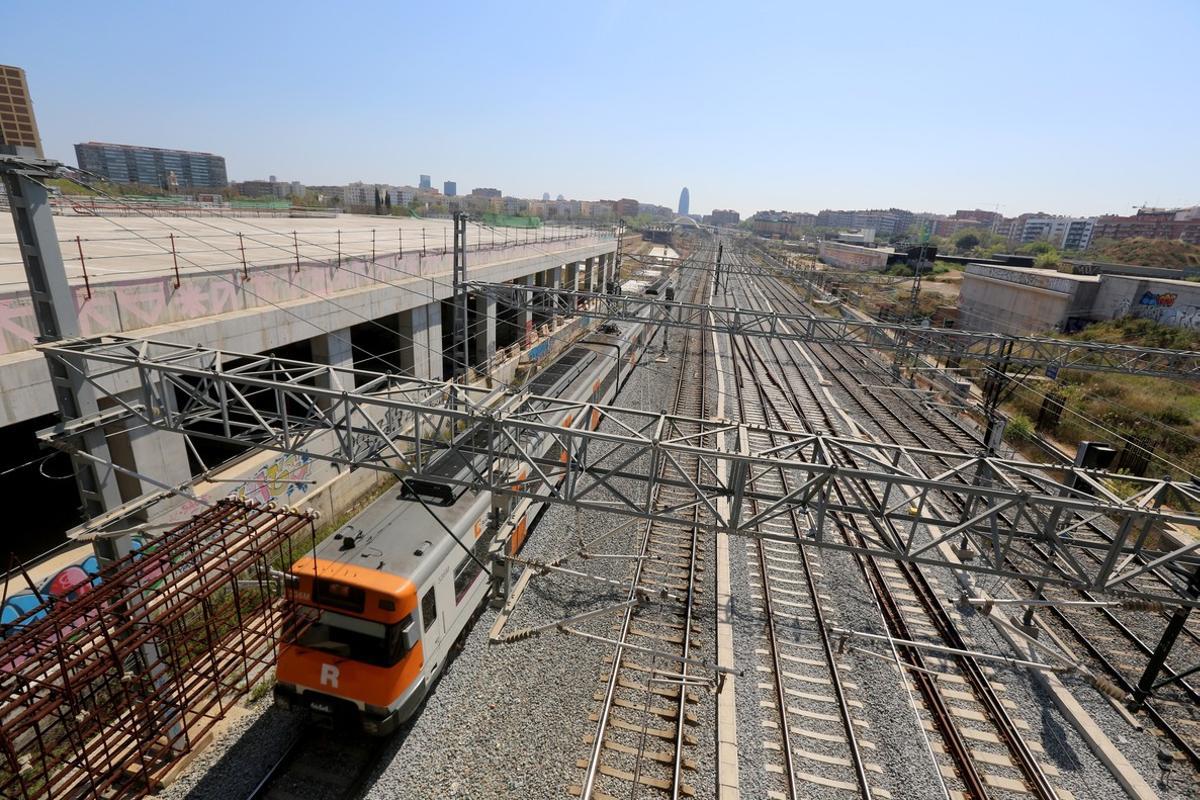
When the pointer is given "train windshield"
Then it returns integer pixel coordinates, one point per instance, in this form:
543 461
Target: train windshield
350 637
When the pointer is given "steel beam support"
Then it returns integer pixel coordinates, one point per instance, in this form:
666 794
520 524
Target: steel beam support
460 356
1158 659
403 425
983 347
57 319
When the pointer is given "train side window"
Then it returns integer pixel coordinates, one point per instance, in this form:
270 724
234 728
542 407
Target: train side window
429 607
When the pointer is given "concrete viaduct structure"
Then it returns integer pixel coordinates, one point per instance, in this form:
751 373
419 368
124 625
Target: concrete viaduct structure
298 294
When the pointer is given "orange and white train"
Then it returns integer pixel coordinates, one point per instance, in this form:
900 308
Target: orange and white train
385 598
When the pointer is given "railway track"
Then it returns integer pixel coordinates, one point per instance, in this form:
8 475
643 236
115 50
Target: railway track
982 746
641 740
1114 642
321 764
817 728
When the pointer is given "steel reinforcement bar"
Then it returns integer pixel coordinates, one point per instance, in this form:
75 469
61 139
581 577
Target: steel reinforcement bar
105 692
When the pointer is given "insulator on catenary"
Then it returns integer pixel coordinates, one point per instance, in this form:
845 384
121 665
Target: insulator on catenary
1139 604
1105 686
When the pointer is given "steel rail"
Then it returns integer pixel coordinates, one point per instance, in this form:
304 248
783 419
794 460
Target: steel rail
588 787
1024 757
943 719
856 760
956 745
304 749
1061 617
952 342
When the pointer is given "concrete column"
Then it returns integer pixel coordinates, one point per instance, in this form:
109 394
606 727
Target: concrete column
433 354
413 341
524 320
334 348
541 280
571 279
590 274
483 329
554 281
421 341
156 454
606 260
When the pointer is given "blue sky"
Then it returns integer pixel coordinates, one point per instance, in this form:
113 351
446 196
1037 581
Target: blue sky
1067 107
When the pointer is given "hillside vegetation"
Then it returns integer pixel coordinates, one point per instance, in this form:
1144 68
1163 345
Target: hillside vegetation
1162 414
1148 252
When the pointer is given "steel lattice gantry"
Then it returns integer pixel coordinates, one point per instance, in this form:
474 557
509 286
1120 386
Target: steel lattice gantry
400 425
946 343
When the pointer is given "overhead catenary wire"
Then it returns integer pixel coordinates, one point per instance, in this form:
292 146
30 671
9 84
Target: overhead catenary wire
204 269
371 354
375 278
402 478
433 280
1098 424
366 320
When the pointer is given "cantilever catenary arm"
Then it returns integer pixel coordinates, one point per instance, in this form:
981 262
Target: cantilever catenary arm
273 403
979 346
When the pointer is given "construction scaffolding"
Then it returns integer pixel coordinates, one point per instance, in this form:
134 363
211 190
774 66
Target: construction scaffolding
104 693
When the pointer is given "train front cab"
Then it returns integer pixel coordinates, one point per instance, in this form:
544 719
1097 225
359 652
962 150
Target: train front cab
357 653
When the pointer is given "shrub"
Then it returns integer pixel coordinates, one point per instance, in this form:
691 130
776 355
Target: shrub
1047 261
1019 427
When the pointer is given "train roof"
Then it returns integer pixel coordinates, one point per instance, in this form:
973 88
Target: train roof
395 533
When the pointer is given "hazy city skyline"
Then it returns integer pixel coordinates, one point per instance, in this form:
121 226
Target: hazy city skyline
997 112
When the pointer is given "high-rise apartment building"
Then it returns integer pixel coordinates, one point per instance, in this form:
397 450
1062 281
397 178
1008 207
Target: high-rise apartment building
1182 224
1065 232
684 201
152 166
270 188
18 127
449 188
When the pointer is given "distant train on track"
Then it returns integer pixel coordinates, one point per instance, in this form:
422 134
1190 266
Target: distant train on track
387 595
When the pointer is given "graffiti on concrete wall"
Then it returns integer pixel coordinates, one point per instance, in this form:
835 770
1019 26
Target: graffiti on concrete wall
63 586
1165 308
1177 316
1024 278
1164 300
145 302
279 480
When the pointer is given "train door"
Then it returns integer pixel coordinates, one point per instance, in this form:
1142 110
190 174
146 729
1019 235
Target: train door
435 616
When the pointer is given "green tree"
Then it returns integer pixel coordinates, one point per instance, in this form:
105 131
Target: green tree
966 242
